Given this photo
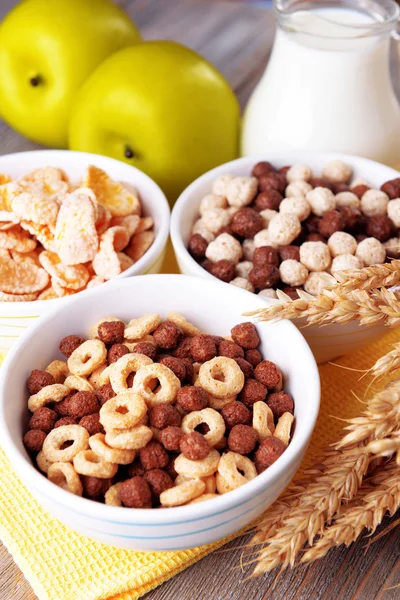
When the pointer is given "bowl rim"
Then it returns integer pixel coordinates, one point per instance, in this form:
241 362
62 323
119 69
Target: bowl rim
149 258
186 198
176 515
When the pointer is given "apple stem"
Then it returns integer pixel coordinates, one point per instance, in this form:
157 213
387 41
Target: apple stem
128 152
36 80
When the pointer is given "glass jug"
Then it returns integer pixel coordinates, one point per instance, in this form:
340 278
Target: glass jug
327 85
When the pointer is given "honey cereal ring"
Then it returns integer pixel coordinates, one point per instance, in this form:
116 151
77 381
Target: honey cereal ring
283 427
87 357
112 418
168 388
230 466
42 462
86 462
138 328
118 456
64 475
130 439
182 493
263 420
218 403
53 444
104 376
59 370
50 393
187 328
209 481
232 377
112 496
204 497
94 330
222 484
94 378
127 364
139 244
197 468
80 384
209 416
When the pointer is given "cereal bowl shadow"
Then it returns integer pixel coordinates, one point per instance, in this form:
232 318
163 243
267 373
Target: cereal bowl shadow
16 316
213 307
327 342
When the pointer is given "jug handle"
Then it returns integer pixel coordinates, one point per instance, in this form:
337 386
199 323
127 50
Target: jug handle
396 32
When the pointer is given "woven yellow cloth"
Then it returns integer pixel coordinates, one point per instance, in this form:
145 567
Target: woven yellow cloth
60 564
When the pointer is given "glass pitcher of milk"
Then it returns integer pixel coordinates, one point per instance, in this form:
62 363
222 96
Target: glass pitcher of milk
327 85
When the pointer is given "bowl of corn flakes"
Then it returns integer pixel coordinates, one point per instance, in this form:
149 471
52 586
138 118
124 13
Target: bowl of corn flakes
70 221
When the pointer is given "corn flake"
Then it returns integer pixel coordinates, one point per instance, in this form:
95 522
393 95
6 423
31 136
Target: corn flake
16 239
120 199
139 244
76 236
130 223
20 278
73 277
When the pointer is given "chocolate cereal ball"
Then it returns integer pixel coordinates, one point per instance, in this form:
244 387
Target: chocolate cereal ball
153 456
65 421
265 255
43 418
268 452
264 277
197 246
82 404
270 199
380 227
289 253
33 440
104 393
183 348
92 424
158 481
135 493
273 181
262 168
245 334
279 403
268 373
392 188
95 487
315 237
235 413
230 349
164 415
176 365
135 468
351 215
242 439
111 332
62 407
223 270
253 356
116 352
70 343
194 446
331 222
171 438
246 367
312 224
246 222
203 348
253 391
146 348
38 380
359 190
167 335
191 397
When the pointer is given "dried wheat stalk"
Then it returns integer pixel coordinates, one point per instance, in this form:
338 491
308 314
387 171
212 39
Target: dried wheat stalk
385 498
387 364
386 447
377 276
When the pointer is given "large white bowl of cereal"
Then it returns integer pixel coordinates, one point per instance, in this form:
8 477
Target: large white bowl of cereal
149 415
291 221
70 221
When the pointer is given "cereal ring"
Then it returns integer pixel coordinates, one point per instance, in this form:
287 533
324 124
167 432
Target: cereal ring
203 498
229 466
182 493
168 388
187 328
156 433
127 364
53 444
197 468
42 462
113 455
94 378
263 420
59 370
232 377
112 496
283 427
209 416
64 475
87 357
218 403
94 330
88 463
138 328
50 393
222 485
129 439
73 382
104 377
210 482
112 418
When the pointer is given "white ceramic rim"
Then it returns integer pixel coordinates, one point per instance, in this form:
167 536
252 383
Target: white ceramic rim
284 157
147 261
180 514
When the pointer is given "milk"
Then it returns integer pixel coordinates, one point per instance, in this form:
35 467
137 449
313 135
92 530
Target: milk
326 88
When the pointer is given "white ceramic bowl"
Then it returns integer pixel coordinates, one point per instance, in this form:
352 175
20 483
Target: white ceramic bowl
215 308
325 342
16 316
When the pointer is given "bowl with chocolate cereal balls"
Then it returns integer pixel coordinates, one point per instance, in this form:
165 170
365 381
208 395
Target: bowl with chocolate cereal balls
150 414
288 222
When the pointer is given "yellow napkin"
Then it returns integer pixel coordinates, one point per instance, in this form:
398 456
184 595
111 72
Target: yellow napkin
60 564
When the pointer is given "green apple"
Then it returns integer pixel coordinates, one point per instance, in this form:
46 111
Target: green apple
47 50
160 107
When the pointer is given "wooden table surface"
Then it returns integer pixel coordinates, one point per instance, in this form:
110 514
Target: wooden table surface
237 39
